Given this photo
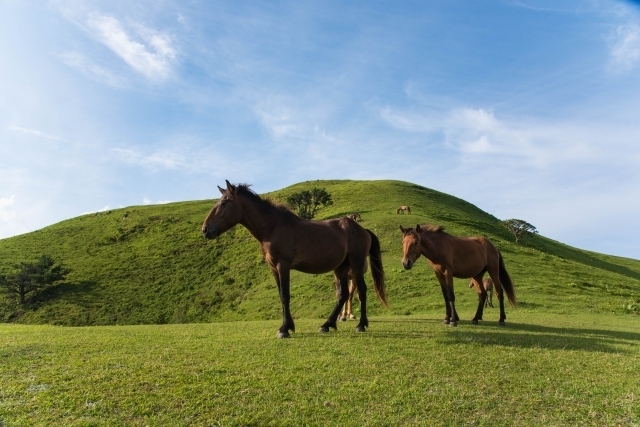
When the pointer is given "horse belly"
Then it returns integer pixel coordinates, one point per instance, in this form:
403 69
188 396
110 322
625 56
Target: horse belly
318 264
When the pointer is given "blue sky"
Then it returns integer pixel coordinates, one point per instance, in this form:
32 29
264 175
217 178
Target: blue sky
528 109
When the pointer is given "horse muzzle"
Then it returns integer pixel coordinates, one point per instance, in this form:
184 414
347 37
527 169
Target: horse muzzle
210 233
407 264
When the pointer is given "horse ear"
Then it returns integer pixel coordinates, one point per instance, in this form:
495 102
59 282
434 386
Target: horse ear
222 190
230 186
403 230
418 228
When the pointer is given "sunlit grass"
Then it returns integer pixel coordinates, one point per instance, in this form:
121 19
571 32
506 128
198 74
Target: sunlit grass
541 369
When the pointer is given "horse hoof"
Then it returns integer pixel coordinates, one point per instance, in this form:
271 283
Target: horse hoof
352 317
501 323
445 322
452 324
343 319
474 322
323 329
360 329
284 334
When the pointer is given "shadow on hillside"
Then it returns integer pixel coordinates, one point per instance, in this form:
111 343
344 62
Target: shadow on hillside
571 254
72 292
531 336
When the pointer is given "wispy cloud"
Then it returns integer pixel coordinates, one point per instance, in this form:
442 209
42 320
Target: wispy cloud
91 70
163 159
624 48
151 53
477 132
34 132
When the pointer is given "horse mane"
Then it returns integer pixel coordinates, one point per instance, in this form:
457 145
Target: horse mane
245 190
432 228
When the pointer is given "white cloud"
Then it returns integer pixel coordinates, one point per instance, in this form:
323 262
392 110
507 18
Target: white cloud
33 132
152 55
6 212
624 48
146 201
103 209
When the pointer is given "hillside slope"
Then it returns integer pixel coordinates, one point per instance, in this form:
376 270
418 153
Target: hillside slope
150 264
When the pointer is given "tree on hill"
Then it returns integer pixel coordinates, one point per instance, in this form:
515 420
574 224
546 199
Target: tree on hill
28 279
307 203
519 228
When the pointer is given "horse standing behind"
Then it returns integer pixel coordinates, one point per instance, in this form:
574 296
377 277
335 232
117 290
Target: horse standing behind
403 209
487 284
460 257
347 308
290 242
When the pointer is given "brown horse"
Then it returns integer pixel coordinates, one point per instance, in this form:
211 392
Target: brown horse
290 242
460 257
487 284
355 216
347 308
403 209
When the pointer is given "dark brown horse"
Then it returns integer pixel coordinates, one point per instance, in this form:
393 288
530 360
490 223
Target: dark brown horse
487 284
290 242
403 209
460 257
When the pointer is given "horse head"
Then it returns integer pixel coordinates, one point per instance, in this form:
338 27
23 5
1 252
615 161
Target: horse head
410 246
226 213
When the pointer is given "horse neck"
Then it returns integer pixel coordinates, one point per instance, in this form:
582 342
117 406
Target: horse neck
257 217
429 243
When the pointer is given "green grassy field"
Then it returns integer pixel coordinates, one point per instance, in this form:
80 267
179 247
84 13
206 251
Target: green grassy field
166 328
542 369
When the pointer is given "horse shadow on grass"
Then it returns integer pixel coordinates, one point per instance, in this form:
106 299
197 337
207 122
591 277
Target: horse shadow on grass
527 336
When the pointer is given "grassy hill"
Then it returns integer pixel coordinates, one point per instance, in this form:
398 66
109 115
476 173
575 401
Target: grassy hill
149 264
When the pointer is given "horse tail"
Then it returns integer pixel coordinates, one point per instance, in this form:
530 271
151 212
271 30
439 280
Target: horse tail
377 271
507 284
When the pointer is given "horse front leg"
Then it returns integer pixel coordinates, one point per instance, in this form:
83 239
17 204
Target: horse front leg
445 294
446 284
282 275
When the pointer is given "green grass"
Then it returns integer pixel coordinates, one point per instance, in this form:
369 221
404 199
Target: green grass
542 369
150 265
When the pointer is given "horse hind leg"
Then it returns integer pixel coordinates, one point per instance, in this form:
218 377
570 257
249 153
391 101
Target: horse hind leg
352 290
482 297
342 280
362 295
497 285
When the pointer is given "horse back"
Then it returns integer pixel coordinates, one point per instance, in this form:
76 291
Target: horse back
467 256
321 246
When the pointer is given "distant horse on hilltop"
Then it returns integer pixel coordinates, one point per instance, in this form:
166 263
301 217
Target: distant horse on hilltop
289 242
404 209
460 257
